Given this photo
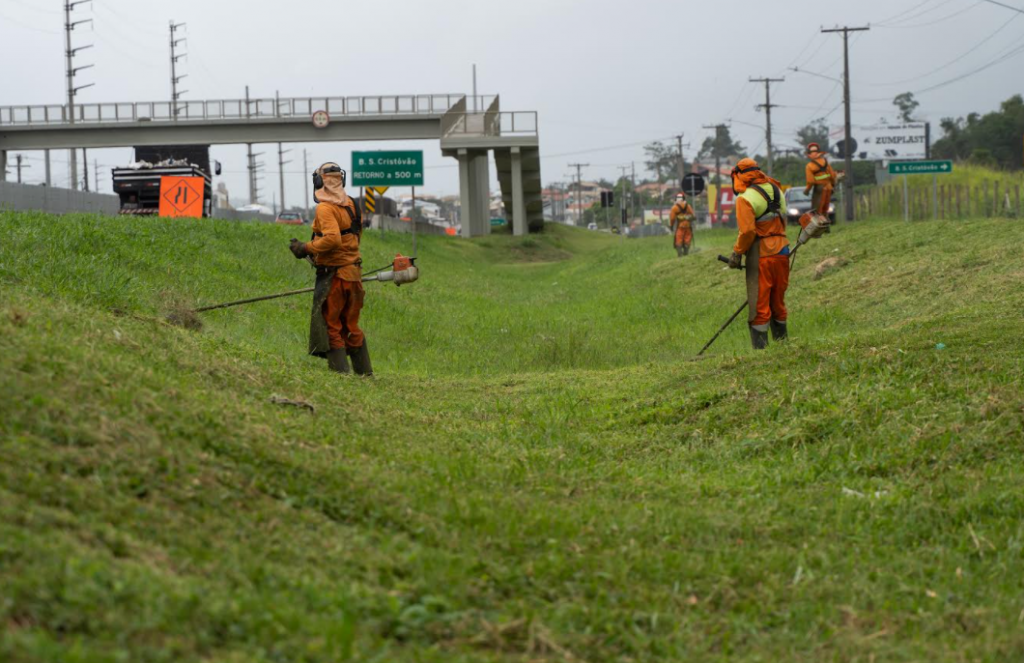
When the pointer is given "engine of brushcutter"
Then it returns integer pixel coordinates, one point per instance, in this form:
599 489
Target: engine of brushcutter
403 270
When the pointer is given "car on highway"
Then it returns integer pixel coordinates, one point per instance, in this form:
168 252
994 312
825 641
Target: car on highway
798 203
289 219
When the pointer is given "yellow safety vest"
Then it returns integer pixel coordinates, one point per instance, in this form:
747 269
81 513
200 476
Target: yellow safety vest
823 173
759 203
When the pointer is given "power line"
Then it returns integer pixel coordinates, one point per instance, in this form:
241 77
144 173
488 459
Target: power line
951 62
1001 4
904 12
935 22
1014 49
888 23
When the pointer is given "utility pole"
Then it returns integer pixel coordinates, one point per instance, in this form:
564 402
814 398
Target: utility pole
251 158
768 106
49 173
718 151
96 174
474 89
175 78
682 164
579 188
718 169
72 71
19 164
281 163
847 152
305 169
622 196
85 168
254 176
632 194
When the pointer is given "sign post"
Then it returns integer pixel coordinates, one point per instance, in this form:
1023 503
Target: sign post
934 168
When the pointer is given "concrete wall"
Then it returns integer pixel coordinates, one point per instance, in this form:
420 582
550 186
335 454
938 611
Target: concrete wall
235 215
396 225
23 197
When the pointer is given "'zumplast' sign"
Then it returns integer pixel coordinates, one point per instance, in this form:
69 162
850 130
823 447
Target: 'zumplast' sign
885 142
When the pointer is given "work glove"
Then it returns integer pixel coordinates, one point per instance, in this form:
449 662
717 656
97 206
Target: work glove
736 261
298 249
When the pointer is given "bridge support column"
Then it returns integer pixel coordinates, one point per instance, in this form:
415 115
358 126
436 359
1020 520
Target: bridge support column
483 193
474 181
3 165
518 219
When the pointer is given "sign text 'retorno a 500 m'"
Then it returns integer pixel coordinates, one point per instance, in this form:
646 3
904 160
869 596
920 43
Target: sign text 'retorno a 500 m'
387 168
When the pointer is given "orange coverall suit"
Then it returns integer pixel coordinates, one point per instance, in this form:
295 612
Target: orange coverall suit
773 252
821 178
335 244
680 217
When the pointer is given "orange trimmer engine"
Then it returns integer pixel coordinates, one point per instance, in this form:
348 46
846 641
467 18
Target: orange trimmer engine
403 270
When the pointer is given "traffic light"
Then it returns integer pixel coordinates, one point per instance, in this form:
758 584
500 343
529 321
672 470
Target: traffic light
607 199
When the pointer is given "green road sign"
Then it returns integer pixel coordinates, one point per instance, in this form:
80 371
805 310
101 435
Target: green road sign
387 168
920 167
497 221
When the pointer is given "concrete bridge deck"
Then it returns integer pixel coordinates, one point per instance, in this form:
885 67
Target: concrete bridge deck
469 136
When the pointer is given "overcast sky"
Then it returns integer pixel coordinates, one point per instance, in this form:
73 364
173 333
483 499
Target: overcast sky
602 74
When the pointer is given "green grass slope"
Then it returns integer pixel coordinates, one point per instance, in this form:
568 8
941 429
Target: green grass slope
541 469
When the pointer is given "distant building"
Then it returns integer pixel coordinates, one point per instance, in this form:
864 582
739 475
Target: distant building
221 197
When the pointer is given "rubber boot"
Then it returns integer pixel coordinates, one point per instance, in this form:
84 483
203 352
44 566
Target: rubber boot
686 249
679 252
758 338
337 361
361 360
779 331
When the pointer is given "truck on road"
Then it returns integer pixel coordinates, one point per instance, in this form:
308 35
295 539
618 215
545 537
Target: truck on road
138 185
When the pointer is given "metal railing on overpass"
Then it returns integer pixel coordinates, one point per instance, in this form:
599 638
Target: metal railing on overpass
233 109
499 123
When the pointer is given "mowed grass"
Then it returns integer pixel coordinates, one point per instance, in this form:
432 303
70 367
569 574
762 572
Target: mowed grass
541 470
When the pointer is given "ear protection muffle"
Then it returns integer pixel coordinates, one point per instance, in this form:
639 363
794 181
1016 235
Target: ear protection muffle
318 180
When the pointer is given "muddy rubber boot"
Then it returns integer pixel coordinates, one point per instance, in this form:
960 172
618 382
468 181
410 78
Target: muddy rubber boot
779 331
361 360
337 361
686 249
679 252
759 337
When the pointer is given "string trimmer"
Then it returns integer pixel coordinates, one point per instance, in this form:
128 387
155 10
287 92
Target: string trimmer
400 272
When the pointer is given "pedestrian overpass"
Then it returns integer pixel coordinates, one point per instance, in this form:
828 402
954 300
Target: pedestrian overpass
468 135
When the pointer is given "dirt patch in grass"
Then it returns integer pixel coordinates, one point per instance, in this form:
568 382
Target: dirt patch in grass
829 265
183 316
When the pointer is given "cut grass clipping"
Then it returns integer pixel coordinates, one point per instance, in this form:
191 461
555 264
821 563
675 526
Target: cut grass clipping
538 473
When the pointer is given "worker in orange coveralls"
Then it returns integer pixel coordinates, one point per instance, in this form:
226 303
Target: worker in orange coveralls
338 296
821 179
761 219
681 220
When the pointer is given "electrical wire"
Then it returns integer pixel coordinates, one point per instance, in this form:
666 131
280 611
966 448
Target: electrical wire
904 12
935 22
35 8
890 22
951 62
26 26
1013 50
1001 4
